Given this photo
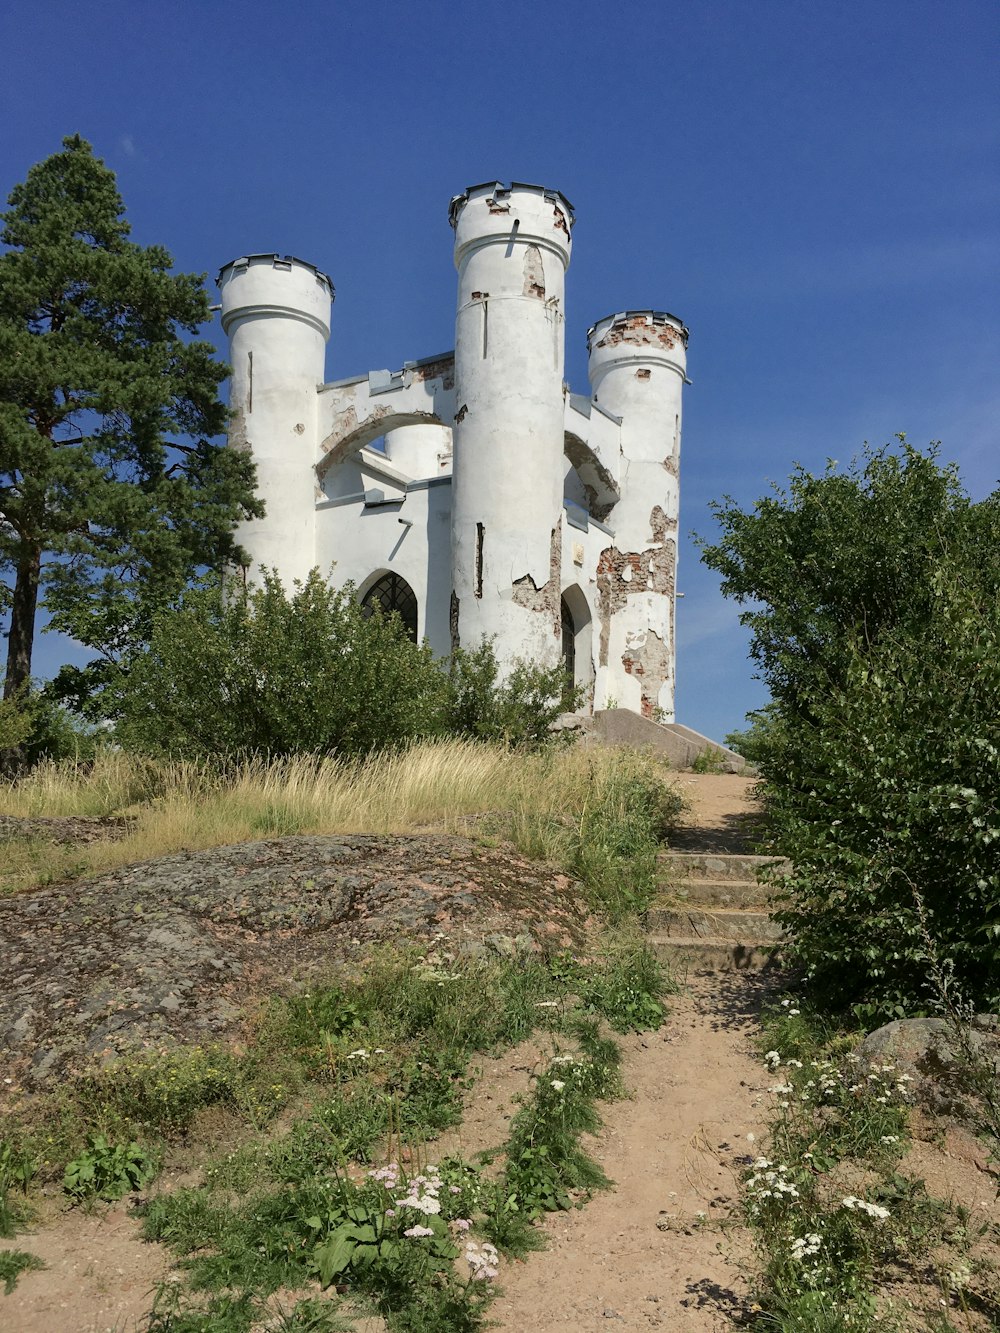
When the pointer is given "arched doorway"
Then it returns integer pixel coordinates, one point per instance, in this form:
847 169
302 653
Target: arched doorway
568 644
393 593
577 648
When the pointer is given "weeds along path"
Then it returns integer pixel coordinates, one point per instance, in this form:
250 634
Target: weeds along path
664 1248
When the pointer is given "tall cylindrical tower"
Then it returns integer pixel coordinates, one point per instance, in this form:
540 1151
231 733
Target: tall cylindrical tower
512 249
638 362
276 314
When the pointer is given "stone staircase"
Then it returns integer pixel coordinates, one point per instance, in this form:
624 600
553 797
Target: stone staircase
712 914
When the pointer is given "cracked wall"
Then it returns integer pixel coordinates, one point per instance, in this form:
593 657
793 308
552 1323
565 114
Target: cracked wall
650 664
547 599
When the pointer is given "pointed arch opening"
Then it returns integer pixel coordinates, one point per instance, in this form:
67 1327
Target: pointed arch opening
576 640
392 593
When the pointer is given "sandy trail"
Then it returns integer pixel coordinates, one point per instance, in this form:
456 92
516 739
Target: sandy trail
640 1256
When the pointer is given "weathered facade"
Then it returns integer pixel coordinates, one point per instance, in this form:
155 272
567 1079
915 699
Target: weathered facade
499 504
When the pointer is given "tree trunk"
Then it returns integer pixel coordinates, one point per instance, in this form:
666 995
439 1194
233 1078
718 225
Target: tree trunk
22 620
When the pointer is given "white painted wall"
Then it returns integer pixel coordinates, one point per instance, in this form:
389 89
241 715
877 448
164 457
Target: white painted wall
276 313
360 544
420 451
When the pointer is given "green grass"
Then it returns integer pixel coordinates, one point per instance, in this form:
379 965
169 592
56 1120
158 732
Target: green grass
12 1264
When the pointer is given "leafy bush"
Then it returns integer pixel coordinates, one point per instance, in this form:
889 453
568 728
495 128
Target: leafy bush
15 723
896 843
276 674
518 710
876 624
273 674
34 726
108 1171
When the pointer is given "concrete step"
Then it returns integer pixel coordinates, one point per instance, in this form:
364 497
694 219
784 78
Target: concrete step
712 893
717 865
722 923
713 955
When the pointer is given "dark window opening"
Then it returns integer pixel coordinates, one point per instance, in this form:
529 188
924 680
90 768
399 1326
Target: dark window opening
568 644
392 593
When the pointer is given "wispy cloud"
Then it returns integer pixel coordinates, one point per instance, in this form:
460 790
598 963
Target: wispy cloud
127 144
700 622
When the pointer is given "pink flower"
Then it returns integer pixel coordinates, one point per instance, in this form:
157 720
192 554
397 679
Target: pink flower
418 1231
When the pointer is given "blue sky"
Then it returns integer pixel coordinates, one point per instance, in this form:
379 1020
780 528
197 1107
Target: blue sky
814 188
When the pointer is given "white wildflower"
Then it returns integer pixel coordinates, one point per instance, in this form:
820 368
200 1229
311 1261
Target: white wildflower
862 1206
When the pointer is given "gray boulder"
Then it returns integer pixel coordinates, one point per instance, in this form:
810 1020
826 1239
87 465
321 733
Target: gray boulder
952 1065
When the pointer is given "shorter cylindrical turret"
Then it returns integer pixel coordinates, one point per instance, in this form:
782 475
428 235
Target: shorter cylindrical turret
420 451
638 363
276 313
637 369
512 248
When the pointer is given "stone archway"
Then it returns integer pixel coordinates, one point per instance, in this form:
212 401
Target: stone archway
577 652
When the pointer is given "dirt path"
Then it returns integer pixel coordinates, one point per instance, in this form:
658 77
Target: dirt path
722 813
640 1256
665 1247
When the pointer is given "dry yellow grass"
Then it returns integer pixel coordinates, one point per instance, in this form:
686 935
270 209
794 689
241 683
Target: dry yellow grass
177 807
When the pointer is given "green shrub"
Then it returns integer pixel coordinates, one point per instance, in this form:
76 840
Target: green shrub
517 710
16 722
34 726
874 604
275 674
896 840
108 1171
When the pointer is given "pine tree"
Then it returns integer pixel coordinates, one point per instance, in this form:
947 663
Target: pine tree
112 494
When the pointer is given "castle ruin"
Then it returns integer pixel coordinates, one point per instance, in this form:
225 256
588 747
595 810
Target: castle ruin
500 504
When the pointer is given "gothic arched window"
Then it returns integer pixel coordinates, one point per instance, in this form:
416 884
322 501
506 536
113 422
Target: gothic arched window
392 593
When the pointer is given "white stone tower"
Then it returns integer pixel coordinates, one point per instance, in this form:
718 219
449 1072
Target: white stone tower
512 249
276 313
637 372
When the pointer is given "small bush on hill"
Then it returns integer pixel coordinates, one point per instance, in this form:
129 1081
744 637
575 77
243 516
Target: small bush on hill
518 710
277 674
273 674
